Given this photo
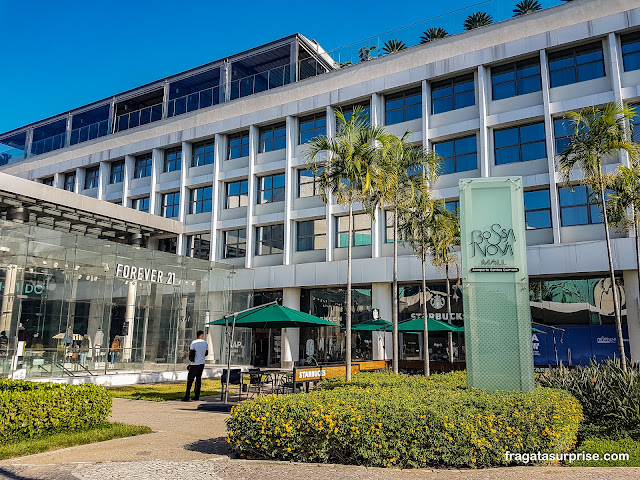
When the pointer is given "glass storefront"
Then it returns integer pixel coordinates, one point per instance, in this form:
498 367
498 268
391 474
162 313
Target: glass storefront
74 305
327 344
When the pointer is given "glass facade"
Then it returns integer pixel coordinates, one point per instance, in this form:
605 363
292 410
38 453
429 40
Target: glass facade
311 127
579 206
361 230
518 78
204 153
520 144
327 344
577 64
272 137
172 159
238 145
631 51
537 209
403 106
452 94
73 305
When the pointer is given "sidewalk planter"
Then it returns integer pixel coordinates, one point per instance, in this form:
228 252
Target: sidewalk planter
387 420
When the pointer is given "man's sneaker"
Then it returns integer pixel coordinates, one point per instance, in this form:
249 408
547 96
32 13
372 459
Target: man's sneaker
197 399
185 399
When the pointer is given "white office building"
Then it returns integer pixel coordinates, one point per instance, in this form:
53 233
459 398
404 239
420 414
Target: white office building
219 152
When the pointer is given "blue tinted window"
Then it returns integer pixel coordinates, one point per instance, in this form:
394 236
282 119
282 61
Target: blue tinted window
171 205
563 131
403 106
311 127
577 64
271 189
453 93
92 177
458 155
141 204
269 239
579 206
272 137
117 172
201 200
172 159
238 145
204 153
520 144
631 52
537 206
143 166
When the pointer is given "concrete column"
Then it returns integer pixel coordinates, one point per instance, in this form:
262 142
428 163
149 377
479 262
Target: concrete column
426 111
377 109
129 318
80 176
289 188
221 150
630 278
165 99
103 179
483 157
96 308
112 116
129 168
58 180
377 232
616 84
290 340
187 149
254 140
331 131
8 297
293 60
29 140
381 299
156 167
551 148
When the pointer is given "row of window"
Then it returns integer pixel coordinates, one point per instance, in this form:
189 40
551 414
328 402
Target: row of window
576 208
519 143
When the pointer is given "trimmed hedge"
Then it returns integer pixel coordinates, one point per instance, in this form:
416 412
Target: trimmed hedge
33 409
386 420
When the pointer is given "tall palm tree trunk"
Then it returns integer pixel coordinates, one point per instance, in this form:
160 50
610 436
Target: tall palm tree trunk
427 370
449 334
347 342
394 311
616 302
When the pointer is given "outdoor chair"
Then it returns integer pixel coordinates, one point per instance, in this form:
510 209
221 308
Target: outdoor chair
235 378
285 382
259 381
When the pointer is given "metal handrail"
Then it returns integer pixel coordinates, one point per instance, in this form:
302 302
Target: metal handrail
139 117
193 101
55 142
89 132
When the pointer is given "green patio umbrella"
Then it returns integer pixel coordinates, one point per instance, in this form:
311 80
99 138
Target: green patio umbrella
416 325
370 326
269 315
273 315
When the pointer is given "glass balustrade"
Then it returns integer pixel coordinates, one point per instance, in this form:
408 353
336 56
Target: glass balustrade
193 101
49 144
89 132
139 117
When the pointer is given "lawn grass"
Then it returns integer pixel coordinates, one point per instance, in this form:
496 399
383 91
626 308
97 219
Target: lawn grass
163 391
601 446
107 431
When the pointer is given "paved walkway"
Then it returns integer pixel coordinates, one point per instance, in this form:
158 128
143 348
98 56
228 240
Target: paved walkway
189 444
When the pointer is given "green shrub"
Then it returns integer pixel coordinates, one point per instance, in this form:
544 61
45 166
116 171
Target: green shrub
394 421
610 397
602 446
32 409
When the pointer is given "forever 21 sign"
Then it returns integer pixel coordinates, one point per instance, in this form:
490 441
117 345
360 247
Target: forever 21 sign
131 272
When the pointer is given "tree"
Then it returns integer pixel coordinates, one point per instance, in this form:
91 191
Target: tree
364 53
478 19
624 204
344 164
432 34
525 7
443 235
599 133
415 227
403 170
393 46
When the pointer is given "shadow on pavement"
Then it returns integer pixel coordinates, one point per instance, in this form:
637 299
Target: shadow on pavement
212 446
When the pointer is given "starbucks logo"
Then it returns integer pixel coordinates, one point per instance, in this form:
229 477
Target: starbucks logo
437 302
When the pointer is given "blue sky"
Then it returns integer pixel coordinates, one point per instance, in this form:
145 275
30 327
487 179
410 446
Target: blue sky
59 55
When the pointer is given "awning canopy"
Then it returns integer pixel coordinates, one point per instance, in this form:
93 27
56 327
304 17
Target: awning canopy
275 316
370 326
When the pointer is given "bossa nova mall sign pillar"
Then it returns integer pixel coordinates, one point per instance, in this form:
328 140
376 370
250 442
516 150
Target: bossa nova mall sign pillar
497 316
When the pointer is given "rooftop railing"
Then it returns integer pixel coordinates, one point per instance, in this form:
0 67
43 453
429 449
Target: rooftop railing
89 132
48 144
136 118
193 101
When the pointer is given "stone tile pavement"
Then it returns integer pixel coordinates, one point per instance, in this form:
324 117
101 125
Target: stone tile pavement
189 444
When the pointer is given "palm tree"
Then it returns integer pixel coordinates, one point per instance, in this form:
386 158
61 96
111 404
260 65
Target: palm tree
444 234
478 19
403 171
525 7
599 133
432 34
364 53
415 225
393 46
624 204
347 162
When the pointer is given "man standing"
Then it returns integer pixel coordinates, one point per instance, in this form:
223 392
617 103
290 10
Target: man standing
197 354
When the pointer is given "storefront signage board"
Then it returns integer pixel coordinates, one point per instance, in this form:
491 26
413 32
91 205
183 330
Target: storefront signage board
131 272
309 374
497 315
